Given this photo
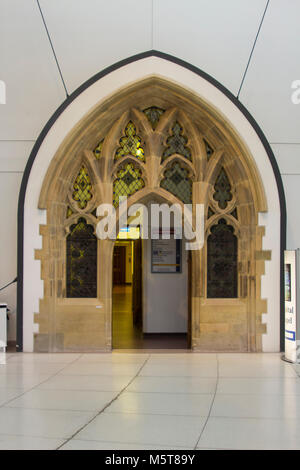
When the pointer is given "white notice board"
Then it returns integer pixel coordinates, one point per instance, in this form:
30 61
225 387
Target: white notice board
166 256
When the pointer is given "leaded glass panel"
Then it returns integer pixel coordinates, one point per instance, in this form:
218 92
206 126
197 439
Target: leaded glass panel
153 114
222 261
209 150
222 189
81 260
176 143
69 212
234 214
129 180
98 150
176 180
130 144
82 188
210 212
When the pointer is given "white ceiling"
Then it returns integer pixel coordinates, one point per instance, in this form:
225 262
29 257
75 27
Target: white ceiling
89 35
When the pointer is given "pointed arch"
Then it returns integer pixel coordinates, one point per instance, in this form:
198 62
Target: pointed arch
247 143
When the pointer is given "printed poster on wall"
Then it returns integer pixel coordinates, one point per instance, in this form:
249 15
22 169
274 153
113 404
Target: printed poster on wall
166 256
290 293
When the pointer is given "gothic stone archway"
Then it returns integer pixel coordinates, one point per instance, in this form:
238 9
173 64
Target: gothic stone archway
168 128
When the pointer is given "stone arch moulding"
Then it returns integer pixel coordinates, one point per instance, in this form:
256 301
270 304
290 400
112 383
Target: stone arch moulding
100 89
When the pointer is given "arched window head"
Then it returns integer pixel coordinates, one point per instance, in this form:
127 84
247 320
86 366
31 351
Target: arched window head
222 249
82 188
177 181
222 188
129 180
176 143
130 144
81 261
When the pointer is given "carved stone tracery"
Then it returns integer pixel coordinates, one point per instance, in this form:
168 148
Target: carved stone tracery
159 152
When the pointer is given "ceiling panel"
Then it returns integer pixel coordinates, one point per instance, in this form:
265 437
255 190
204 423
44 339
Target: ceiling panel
14 155
287 157
34 89
216 36
274 66
291 185
90 35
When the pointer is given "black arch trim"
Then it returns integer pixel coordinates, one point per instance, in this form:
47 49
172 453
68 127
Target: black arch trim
72 97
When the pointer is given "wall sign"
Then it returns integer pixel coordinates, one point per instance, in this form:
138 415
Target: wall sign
292 299
166 256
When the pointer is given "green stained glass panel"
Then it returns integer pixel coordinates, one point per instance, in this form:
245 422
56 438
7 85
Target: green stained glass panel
81 260
177 182
82 188
130 144
234 214
222 261
176 143
129 181
153 114
210 212
222 189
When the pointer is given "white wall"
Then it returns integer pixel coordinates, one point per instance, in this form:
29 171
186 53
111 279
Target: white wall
165 296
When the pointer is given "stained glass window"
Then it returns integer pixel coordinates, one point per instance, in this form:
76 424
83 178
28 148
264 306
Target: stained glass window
98 150
129 181
222 189
209 150
69 212
130 144
153 114
234 214
222 261
210 212
176 143
177 182
81 260
82 188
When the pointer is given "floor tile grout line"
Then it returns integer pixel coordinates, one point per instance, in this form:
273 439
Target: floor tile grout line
105 407
37 385
135 443
211 405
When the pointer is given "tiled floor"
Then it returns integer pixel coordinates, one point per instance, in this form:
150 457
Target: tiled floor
149 400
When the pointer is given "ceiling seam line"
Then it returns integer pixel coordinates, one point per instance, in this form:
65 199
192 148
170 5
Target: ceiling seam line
52 47
152 24
253 47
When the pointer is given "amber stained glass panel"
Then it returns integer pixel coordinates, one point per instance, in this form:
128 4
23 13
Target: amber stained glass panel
130 144
82 188
129 180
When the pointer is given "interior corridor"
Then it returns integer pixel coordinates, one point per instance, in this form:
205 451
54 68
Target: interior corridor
127 335
149 401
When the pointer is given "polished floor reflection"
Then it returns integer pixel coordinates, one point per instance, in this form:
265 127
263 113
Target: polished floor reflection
153 400
126 335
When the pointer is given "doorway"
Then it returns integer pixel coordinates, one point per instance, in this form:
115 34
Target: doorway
132 280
